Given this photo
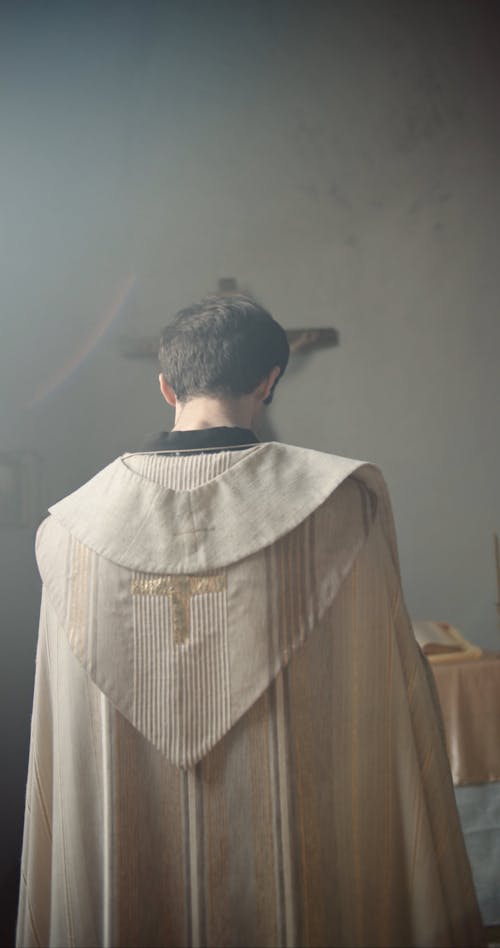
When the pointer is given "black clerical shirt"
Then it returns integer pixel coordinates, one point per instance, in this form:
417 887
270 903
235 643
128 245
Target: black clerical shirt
202 439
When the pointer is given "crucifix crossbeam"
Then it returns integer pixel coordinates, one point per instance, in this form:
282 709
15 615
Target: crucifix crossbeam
302 341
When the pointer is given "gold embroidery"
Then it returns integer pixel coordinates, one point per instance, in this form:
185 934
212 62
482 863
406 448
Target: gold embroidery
180 590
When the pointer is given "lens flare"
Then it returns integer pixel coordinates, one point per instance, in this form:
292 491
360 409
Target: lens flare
70 367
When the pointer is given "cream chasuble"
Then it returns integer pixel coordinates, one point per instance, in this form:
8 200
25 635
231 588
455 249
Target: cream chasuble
234 736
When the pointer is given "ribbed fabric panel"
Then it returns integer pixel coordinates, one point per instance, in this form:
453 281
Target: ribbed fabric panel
292 587
182 698
291 595
186 471
78 600
151 667
294 566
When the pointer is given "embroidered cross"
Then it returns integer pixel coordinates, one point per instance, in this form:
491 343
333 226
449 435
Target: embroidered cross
180 590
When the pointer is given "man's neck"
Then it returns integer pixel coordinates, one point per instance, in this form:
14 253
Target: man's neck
209 413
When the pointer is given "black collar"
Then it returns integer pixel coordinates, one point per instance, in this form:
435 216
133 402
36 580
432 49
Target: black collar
202 439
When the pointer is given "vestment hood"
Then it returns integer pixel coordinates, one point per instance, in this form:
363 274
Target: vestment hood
141 525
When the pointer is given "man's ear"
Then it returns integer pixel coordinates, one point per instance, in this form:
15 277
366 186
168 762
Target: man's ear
167 391
267 384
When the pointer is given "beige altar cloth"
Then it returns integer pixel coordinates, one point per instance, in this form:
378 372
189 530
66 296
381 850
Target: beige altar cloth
469 694
234 736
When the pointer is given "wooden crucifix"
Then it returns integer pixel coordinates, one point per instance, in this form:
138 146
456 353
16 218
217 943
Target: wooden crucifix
302 341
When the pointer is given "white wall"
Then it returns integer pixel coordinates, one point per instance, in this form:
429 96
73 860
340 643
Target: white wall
342 161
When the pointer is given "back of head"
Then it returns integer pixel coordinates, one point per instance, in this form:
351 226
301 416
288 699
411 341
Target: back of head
222 347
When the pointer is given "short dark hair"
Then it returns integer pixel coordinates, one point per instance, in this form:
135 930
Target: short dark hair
223 346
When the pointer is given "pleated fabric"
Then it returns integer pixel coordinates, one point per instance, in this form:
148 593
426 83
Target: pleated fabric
247 756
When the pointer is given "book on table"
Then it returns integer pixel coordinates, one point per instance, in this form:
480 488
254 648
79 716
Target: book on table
441 641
